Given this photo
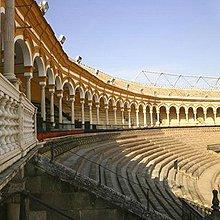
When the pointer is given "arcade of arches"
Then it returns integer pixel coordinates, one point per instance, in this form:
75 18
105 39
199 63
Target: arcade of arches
67 93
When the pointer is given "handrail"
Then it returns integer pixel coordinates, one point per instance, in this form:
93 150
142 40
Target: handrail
53 156
25 194
17 124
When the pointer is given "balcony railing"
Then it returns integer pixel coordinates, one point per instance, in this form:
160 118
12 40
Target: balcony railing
17 124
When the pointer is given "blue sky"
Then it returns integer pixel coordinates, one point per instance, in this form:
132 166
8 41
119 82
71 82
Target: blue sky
123 37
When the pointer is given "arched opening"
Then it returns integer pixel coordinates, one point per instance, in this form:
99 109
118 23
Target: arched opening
182 116
163 116
191 117
66 103
50 77
173 116
217 116
22 59
19 67
102 111
154 116
210 116
88 102
38 84
79 112
119 106
200 119
50 90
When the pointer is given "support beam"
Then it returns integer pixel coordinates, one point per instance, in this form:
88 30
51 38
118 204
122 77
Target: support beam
137 117
43 105
151 117
215 115
72 101
28 77
60 97
129 118
122 116
82 101
90 114
9 42
52 91
145 118
168 116
158 117
97 114
115 114
106 115
178 116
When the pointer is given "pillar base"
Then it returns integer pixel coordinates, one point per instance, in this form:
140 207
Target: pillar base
13 80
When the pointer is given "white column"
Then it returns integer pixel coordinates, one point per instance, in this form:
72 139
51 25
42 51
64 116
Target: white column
194 113
9 41
215 112
158 117
168 116
137 117
43 107
52 91
178 116
106 115
28 77
129 118
72 101
145 118
115 114
151 117
60 96
97 114
122 116
90 113
83 111
187 115
205 115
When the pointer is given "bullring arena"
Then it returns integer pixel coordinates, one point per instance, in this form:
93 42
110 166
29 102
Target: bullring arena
77 143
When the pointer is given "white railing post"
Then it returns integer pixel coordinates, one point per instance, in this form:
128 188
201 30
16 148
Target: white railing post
18 131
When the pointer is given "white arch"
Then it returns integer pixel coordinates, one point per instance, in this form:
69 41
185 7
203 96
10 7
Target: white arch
88 91
127 103
2 10
120 102
40 64
113 101
81 91
104 98
50 75
96 97
58 83
25 47
70 87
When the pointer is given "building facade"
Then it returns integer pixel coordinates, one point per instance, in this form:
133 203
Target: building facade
56 83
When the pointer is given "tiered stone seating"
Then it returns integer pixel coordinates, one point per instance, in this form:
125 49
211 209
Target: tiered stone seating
134 162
